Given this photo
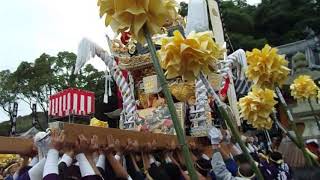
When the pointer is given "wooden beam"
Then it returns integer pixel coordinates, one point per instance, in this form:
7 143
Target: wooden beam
11 145
73 130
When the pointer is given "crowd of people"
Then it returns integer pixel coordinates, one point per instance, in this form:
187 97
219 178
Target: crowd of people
53 159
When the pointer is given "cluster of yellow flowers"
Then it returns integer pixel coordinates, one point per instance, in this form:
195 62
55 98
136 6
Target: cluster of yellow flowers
257 106
187 57
183 91
304 88
266 68
132 15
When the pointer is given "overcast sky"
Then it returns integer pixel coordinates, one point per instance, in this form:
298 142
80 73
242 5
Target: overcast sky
32 27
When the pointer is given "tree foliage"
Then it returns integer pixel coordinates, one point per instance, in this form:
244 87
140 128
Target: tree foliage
275 22
7 91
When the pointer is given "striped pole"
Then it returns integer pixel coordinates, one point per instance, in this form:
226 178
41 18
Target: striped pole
34 115
14 119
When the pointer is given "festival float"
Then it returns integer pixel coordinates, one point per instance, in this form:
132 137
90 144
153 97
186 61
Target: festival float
174 74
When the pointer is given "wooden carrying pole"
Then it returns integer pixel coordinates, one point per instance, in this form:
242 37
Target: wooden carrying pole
9 145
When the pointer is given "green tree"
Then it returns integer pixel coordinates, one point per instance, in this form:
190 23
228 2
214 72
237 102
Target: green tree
7 92
275 22
63 68
240 25
284 21
22 78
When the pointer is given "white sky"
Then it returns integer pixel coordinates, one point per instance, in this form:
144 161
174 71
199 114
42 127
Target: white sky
32 27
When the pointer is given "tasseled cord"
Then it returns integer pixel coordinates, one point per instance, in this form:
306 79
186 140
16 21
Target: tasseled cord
107 86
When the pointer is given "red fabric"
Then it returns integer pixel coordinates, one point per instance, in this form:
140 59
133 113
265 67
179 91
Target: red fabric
314 148
225 88
58 111
125 37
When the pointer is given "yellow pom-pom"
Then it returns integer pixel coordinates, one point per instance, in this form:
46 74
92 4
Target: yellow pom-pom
303 88
266 68
257 106
187 57
132 15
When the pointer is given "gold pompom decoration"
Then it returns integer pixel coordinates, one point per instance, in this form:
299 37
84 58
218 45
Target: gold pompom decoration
182 91
303 88
187 57
257 106
132 15
266 68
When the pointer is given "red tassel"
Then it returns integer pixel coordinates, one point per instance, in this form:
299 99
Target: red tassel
225 88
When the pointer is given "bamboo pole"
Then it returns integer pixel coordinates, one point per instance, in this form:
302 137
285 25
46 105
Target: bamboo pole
171 107
314 113
235 132
283 129
294 128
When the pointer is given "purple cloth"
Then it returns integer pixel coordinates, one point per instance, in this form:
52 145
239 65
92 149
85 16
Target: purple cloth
51 177
273 171
94 177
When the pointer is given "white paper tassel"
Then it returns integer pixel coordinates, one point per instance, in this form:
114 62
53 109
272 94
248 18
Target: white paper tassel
107 86
86 51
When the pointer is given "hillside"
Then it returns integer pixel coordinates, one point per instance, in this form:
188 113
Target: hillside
23 124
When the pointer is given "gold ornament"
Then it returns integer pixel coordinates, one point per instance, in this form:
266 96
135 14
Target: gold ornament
303 88
132 15
183 91
257 106
266 68
97 123
187 57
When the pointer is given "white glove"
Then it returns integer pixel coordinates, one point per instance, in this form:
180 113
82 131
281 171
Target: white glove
215 136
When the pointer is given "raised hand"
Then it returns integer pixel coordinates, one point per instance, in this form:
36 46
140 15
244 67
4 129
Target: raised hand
57 140
82 144
132 146
94 146
112 145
